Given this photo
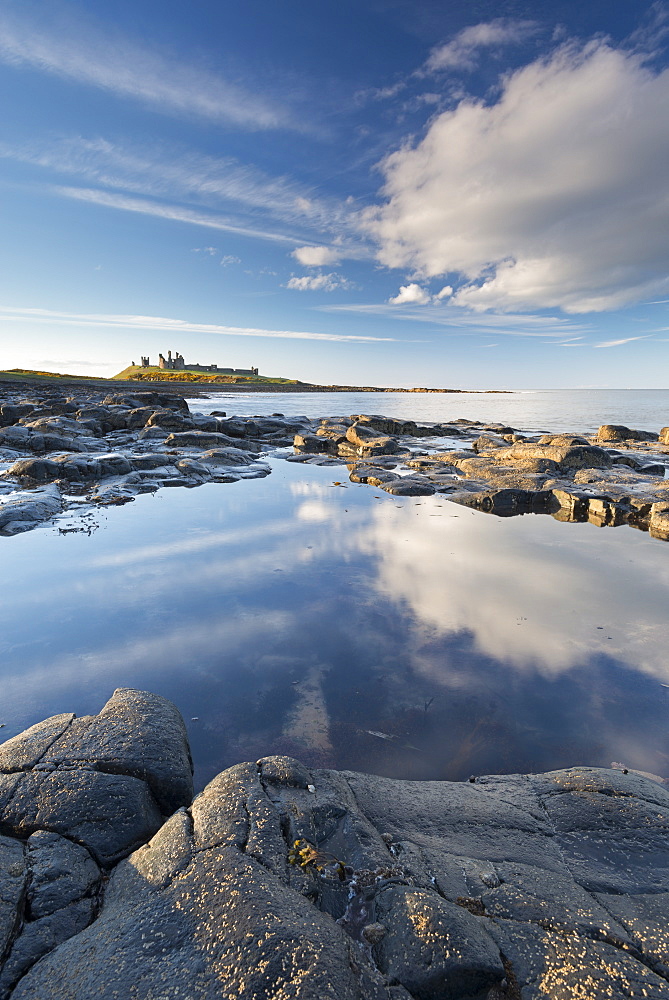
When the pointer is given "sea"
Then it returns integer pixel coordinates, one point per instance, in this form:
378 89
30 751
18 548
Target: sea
306 615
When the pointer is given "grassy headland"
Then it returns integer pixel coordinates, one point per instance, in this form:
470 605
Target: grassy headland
134 373
194 383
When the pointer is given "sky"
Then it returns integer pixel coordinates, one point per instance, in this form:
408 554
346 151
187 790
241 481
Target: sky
466 194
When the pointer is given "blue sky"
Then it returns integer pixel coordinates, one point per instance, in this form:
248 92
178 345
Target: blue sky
388 192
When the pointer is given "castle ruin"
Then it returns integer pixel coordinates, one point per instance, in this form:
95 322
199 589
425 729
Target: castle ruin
177 363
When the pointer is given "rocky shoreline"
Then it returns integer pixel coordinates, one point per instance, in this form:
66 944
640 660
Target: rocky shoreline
281 881
73 452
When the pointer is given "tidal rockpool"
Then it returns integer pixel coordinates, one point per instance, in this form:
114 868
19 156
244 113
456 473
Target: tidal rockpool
407 637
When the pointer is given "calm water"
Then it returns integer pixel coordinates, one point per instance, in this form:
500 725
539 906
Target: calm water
402 636
580 410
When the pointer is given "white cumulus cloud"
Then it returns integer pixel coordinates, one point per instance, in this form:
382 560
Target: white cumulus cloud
556 195
317 283
411 294
315 256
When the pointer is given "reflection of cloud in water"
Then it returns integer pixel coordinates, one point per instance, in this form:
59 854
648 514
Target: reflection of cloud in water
151 658
314 510
137 575
303 488
202 542
531 591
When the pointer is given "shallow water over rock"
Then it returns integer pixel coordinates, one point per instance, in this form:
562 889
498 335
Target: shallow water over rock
306 615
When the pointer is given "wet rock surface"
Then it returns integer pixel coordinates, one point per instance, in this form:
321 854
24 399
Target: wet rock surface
614 477
284 881
64 453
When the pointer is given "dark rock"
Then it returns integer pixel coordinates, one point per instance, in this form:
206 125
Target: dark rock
506 886
488 442
61 427
10 413
204 422
106 418
315 444
434 948
618 432
151 461
22 752
138 416
570 440
163 400
200 439
565 456
61 872
23 510
39 937
109 813
216 457
98 780
189 467
15 436
36 470
13 886
509 502
138 734
170 420
404 486
193 939
366 441
113 465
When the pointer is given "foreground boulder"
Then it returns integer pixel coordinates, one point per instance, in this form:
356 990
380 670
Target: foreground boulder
104 781
280 881
76 796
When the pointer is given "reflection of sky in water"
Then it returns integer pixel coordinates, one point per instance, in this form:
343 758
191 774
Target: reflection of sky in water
349 628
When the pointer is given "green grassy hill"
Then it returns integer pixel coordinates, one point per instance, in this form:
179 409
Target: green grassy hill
27 375
134 373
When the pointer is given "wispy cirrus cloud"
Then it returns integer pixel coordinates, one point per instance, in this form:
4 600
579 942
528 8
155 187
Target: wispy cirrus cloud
464 51
168 180
171 171
622 340
163 323
85 54
175 213
442 313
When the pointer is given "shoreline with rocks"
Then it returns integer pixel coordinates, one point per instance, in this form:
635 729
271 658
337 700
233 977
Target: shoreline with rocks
204 386
63 452
283 881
